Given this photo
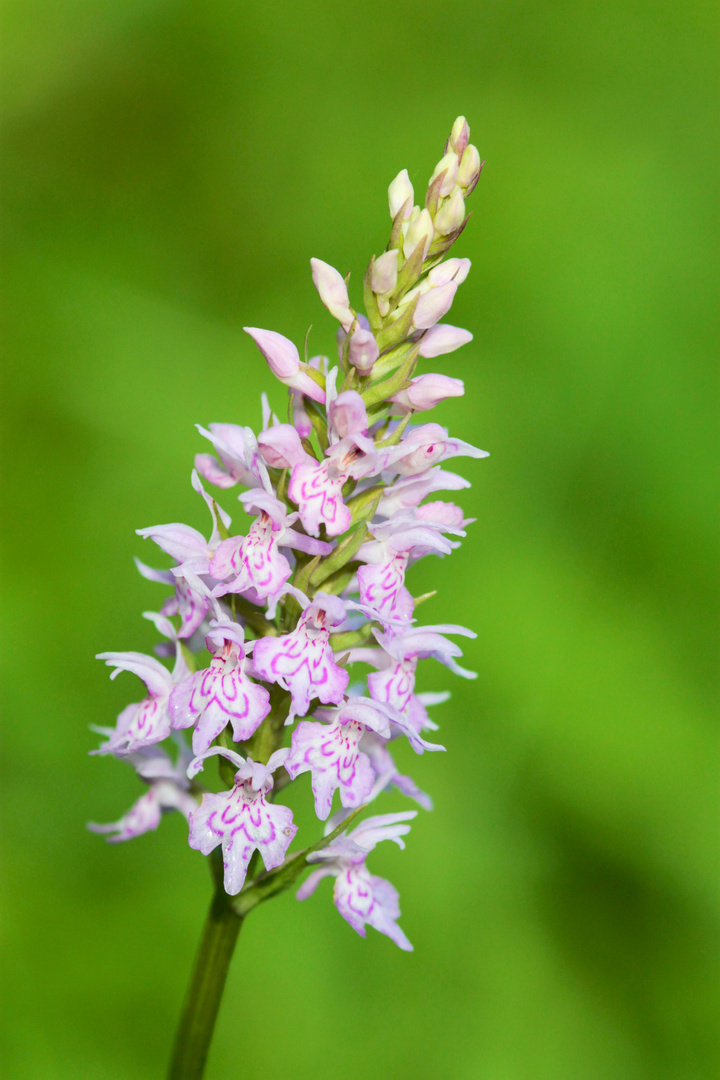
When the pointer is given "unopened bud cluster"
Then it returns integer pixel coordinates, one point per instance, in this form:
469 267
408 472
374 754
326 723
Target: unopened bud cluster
264 627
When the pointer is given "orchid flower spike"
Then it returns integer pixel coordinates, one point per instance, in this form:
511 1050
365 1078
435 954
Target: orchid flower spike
306 607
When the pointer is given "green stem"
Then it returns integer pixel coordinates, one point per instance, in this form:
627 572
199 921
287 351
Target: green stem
202 1000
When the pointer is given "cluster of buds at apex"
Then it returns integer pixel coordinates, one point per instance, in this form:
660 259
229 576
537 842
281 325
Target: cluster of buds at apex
453 179
266 623
420 236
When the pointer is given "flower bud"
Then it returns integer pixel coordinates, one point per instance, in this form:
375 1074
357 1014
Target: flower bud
333 291
420 231
280 447
281 354
284 362
459 137
451 270
341 335
449 165
433 304
441 339
401 194
427 391
348 415
301 420
363 351
470 167
383 279
451 214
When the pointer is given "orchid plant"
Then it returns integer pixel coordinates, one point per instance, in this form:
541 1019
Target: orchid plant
264 629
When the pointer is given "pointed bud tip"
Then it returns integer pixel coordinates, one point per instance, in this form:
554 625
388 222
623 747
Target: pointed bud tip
401 195
459 136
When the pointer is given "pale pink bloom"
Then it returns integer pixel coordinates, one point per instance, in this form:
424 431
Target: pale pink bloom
254 562
443 338
302 661
427 391
318 497
316 488
424 642
185 544
148 721
190 549
145 814
330 753
284 362
443 514
387 772
333 292
220 694
361 898
242 820
169 790
410 491
424 446
237 450
381 582
192 606
280 446
387 721
251 562
348 415
417 713
393 683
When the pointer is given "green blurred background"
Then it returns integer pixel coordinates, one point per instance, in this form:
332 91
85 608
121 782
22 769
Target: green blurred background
169 170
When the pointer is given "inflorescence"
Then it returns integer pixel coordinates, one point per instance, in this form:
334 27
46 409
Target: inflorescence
318 583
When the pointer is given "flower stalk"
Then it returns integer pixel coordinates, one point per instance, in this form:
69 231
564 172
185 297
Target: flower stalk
204 993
